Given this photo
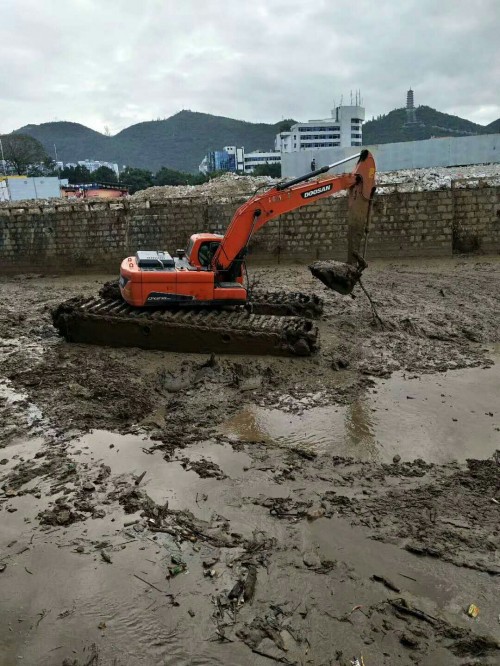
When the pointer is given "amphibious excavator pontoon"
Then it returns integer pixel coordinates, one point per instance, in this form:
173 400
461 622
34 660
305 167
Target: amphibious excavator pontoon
197 300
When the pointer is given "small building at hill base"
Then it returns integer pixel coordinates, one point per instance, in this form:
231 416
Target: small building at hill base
94 191
19 188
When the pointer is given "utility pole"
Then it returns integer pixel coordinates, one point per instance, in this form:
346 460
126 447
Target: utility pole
3 159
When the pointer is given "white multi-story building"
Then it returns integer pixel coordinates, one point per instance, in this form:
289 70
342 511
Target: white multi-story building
93 165
258 157
342 130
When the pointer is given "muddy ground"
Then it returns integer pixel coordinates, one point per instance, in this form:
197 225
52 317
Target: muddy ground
295 510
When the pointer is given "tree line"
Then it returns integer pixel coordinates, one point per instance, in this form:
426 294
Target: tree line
25 155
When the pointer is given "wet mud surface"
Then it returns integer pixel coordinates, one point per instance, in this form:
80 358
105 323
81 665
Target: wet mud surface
162 508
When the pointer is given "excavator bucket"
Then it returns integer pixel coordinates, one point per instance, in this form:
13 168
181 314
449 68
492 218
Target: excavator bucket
336 275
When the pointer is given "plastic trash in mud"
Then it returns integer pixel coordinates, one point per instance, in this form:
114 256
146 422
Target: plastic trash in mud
178 566
358 662
176 570
473 611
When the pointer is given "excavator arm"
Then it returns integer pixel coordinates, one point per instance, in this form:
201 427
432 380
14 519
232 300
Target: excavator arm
289 196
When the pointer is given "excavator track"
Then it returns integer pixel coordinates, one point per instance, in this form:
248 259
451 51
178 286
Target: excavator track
279 303
286 304
112 322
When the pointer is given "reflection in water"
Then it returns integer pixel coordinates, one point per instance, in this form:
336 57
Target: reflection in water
247 426
359 430
342 430
440 417
165 479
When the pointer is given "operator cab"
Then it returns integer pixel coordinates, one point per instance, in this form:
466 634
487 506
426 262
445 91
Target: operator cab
201 249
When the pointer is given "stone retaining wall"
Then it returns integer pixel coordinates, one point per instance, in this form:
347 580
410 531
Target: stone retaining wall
98 235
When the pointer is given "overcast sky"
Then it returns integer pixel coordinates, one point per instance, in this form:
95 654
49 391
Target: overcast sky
112 63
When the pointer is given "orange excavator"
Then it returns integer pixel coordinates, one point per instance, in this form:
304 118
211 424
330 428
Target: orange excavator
197 301
210 271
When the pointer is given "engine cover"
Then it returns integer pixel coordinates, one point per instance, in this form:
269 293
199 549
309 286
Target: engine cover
152 260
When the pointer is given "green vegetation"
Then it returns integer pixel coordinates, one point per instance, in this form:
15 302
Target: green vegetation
78 175
104 175
140 179
136 179
22 151
273 170
133 179
179 142
174 147
171 177
431 123
285 125
494 127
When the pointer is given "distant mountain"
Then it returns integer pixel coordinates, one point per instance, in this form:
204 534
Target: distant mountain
72 140
494 127
392 127
179 142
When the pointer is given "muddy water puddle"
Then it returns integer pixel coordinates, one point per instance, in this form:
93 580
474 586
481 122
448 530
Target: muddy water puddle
10 397
439 417
171 480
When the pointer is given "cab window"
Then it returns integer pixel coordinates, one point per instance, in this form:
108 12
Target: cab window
206 252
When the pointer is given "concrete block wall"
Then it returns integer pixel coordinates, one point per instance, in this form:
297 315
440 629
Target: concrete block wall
97 236
476 219
412 224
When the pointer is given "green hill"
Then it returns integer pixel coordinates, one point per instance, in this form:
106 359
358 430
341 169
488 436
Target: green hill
181 141
72 140
494 127
392 126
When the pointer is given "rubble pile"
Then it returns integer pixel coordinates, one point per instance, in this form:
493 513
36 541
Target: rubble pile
229 185
232 186
436 178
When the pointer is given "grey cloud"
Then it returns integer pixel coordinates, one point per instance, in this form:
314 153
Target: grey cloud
116 64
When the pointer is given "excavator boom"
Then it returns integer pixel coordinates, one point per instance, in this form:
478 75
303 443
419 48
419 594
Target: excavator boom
288 196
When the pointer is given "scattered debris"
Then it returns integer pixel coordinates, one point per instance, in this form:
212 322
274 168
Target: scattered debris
472 611
106 557
140 478
386 582
207 527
